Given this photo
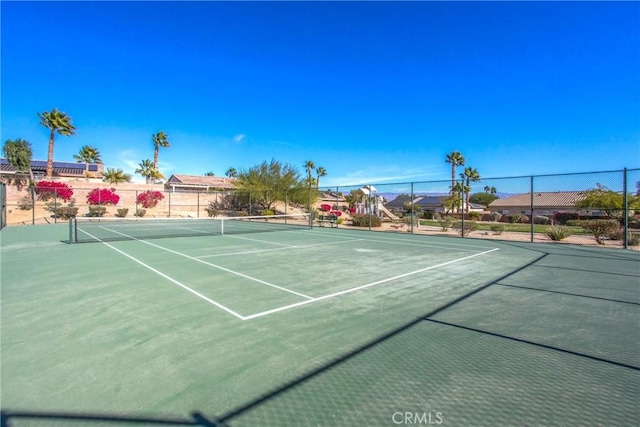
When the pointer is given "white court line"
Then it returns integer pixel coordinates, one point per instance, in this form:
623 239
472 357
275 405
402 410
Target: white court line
379 282
212 265
276 249
260 241
379 239
199 295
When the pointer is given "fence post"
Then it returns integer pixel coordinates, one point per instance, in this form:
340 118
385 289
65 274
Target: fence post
170 204
531 219
198 205
463 195
412 210
626 208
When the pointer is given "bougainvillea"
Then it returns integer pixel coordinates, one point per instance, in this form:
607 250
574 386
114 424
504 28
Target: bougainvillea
47 190
335 213
103 196
149 199
325 207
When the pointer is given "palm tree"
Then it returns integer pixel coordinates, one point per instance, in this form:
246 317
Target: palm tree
148 171
456 159
209 174
490 190
87 154
469 175
115 176
55 121
160 139
456 193
309 166
320 172
231 173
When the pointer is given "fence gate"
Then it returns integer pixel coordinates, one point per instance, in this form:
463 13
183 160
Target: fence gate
3 205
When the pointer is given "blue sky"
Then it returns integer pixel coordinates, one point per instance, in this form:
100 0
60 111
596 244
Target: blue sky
371 91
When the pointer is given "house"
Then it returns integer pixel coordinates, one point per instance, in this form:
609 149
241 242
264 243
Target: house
544 203
199 183
426 203
63 171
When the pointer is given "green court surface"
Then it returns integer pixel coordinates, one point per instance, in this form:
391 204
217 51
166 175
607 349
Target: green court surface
319 327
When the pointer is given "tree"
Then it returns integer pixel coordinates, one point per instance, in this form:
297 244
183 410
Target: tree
88 154
309 166
608 201
148 171
231 173
320 172
57 122
18 153
160 139
490 190
469 175
483 199
455 158
209 174
115 176
272 182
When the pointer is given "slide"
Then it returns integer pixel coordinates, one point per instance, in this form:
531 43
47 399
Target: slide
388 213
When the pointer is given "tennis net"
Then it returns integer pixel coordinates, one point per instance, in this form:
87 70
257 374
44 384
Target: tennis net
99 229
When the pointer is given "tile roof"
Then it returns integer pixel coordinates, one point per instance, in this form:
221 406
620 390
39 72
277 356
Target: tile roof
200 181
550 199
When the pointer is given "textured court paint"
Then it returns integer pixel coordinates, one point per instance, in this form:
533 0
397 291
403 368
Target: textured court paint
86 330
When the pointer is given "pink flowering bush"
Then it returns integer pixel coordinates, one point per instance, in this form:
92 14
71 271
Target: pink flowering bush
325 207
103 196
47 190
335 213
149 199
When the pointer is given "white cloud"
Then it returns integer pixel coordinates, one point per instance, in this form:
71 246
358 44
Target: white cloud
383 174
239 138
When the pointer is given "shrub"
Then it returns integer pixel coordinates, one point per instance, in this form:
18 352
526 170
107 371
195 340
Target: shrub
474 215
66 212
633 239
103 196
149 199
122 212
25 204
47 190
365 221
495 216
212 212
97 210
573 223
515 219
497 228
140 212
540 219
464 229
558 232
446 223
562 217
600 227
325 207
268 212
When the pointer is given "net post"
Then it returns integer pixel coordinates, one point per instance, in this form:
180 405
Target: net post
222 226
71 230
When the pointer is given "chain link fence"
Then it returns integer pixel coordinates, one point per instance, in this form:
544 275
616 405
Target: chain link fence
581 208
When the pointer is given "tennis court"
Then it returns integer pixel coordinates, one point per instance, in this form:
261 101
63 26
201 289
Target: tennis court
312 326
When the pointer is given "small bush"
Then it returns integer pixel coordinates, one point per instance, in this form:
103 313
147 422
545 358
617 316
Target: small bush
212 212
268 212
103 196
558 232
140 212
600 228
633 239
122 212
496 216
474 215
497 228
573 223
446 223
47 190
563 217
149 199
365 221
515 219
97 210
541 219
25 204
466 228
